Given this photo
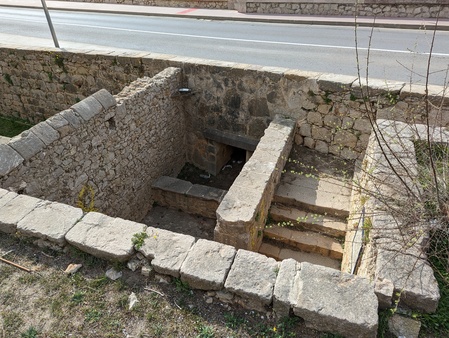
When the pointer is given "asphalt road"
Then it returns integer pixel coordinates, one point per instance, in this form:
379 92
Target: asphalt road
394 54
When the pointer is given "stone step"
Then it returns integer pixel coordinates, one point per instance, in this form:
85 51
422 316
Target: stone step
308 221
324 195
306 241
280 254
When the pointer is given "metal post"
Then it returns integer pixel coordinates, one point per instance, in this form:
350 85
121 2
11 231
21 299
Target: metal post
47 14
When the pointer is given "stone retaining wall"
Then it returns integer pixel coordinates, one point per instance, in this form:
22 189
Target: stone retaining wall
191 198
242 214
430 9
234 98
319 295
213 4
103 149
393 252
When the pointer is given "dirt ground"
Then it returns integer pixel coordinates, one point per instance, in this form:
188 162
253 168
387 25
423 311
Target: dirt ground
49 303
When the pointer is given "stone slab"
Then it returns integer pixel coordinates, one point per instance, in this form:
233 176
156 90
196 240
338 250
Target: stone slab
106 99
45 132
172 184
337 302
328 195
206 193
10 159
412 276
26 144
384 290
104 237
4 139
15 208
252 277
71 117
284 294
50 221
88 108
167 250
207 264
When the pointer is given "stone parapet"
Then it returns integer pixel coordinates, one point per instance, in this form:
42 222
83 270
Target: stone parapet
106 150
242 214
191 198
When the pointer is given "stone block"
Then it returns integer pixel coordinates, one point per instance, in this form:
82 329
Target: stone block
335 82
88 108
15 208
26 144
252 278
334 301
285 288
207 264
106 99
401 326
45 132
172 184
384 288
50 221
412 276
167 250
104 237
206 193
10 159
72 117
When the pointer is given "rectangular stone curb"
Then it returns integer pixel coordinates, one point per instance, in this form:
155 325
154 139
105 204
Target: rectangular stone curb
50 221
45 132
335 301
206 193
104 237
88 108
252 277
207 264
167 250
105 98
10 159
285 288
15 208
26 144
172 184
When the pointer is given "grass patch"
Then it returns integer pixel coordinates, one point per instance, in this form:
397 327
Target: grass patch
11 127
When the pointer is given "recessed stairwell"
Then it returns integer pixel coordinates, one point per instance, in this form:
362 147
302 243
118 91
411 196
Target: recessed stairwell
309 211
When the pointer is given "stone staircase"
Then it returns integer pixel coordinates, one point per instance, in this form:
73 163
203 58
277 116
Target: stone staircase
309 210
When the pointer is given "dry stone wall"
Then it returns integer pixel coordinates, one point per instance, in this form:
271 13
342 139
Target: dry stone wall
104 148
238 99
430 9
215 4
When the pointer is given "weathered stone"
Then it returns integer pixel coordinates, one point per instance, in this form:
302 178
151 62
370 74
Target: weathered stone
322 134
334 301
384 291
285 288
71 117
172 184
412 277
315 118
257 291
132 301
10 159
345 138
105 98
16 208
305 129
207 264
50 221
88 108
322 147
401 326
104 237
363 125
113 274
45 132
72 268
258 107
26 144
167 250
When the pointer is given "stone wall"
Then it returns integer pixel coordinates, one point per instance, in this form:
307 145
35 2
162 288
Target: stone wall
191 198
103 148
242 214
236 99
385 8
215 4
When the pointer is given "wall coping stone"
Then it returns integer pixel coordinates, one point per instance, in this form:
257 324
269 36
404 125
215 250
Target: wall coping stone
207 265
10 159
103 236
13 208
27 144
